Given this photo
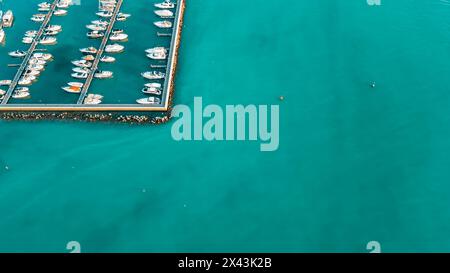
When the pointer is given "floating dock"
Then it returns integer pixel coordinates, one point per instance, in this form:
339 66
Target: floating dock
130 113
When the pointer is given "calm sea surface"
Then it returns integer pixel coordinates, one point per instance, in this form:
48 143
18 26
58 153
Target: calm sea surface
355 164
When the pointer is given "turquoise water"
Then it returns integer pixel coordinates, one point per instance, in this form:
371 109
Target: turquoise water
355 164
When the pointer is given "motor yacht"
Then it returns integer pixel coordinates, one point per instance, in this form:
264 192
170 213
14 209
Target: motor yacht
22 89
115 48
71 89
60 12
35 61
82 63
37 67
159 49
27 40
43 56
2 35
44 5
21 95
93 99
54 28
165 5
75 84
38 18
50 33
30 72
103 74
2 92
63 4
164 13
89 57
5 82
153 85
153 75
17 54
163 24
77 75
100 23
78 69
105 14
31 33
96 27
122 17
25 82
88 50
8 19
48 40
157 55
95 34
149 101
107 59
151 91
118 37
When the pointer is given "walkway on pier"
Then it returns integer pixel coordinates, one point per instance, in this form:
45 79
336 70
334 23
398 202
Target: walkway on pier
99 55
30 52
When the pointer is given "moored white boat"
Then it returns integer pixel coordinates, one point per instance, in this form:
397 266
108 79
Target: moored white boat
149 101
163 24
43 56
27 40
72 89
118 37
17 53
75 84
48 40
165 5
79 75
60 12
78 69
8 19
38 18
153 75
105 14
107 59
95 34
82 63
153 85
164 13
20 95
53 28
151 91
115 48
88 50
5 82
103 74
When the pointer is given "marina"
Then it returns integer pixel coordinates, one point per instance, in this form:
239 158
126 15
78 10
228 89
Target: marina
84 97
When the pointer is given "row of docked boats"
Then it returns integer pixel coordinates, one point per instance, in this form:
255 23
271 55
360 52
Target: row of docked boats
33 69
98 29
154 87
36 61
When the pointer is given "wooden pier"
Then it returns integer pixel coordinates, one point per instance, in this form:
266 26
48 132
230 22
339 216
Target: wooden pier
99 55
30 52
